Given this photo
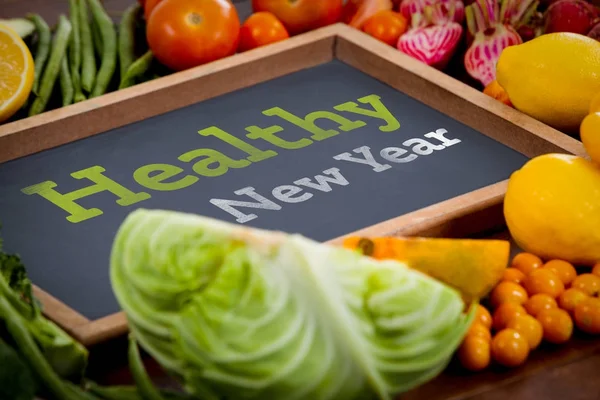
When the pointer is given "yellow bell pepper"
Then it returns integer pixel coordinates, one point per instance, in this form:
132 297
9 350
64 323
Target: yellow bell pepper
590 130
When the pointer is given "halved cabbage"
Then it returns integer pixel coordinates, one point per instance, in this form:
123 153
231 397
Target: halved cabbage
241 313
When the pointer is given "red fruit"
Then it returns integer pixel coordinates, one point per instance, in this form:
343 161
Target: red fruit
575 16
595 32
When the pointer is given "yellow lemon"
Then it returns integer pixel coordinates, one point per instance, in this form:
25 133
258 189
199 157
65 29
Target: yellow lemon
590 135
595 105
16 72
590 130
552 78
552 208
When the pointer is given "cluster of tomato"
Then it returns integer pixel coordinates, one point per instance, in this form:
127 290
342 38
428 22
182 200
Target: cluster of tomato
186 33
533 302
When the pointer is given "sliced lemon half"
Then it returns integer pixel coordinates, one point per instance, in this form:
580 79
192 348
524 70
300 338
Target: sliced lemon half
16 72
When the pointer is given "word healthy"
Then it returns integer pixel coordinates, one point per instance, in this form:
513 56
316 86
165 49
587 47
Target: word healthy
210 163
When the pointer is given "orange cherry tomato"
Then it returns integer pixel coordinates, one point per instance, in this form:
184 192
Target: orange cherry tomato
483 316
505 312
509 348
508 292
539 302
149 6
302 15
386 26
513 275
478 329
526 262
185 33
596 269
529 327
564 270
261 29
474 353
543 281
587 315
557 325
357 12
587 283
569 299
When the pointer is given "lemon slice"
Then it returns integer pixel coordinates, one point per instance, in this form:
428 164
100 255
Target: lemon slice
16 72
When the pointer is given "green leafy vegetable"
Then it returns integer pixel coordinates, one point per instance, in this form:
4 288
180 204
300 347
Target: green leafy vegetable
240 313
67 357
16 381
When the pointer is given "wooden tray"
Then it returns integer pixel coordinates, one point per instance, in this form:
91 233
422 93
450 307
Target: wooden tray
464 215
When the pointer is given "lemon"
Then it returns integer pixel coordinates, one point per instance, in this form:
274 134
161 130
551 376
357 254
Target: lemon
552 78
552 208
590 130
16 72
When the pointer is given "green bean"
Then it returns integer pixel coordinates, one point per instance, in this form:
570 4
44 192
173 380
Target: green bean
43 48
30 351
88 60
138 372
109 48
66 83
97 38
127 38
137 69
75 50
59 48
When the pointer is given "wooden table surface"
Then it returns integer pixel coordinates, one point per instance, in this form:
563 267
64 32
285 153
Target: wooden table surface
567 372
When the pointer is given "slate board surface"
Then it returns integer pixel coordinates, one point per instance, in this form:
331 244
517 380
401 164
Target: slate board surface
71 260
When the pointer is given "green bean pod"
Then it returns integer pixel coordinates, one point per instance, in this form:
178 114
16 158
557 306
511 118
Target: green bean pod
66 83
59 48
137 69
109 48
75 50
42 49
88 59
127 38
97 39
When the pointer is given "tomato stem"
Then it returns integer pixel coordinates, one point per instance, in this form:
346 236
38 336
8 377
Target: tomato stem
195 18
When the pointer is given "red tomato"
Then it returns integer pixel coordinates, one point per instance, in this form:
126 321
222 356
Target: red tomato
149 6
302 15
185 33
386 26
260 29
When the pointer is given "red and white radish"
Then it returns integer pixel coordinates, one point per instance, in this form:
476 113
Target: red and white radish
493 26
433 36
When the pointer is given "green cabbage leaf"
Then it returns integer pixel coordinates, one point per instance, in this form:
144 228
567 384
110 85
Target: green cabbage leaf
241 313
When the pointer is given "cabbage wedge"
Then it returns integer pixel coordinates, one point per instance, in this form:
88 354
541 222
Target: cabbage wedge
241 313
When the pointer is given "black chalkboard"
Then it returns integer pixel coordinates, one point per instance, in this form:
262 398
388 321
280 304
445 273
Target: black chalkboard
69 259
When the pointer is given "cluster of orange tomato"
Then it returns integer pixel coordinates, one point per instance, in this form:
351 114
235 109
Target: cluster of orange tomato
185 33
533 302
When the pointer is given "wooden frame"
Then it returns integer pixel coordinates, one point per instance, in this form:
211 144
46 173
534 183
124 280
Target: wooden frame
477 211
